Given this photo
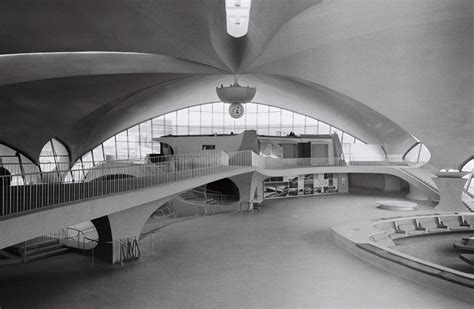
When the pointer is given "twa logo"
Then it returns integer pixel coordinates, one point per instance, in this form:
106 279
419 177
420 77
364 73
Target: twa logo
208 147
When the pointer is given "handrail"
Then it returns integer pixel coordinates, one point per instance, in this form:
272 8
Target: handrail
77 237
113 177
64 167
207 196
247 158
100 181
418 179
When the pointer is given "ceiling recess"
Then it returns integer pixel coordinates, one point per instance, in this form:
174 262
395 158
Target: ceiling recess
237 14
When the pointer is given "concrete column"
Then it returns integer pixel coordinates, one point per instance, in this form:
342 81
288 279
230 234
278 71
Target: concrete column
122 225
416 194
450 191
248 184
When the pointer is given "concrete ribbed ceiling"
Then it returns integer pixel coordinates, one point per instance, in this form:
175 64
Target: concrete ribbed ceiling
68 65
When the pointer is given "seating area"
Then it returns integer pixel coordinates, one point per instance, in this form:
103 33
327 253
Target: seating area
466 244
420 225
385 233
468 258
402 227
425 268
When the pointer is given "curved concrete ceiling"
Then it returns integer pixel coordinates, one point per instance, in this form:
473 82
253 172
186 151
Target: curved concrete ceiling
166 27
97 119
400 66
18 68
409 60
66 108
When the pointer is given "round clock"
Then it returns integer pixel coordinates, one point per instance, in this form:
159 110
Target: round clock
236 110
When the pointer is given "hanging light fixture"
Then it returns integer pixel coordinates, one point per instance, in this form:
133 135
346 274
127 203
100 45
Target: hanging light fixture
236 95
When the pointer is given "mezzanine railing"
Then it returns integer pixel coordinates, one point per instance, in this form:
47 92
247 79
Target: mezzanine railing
111 178
61 185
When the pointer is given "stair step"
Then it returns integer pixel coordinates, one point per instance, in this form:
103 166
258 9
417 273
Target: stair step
7 254
39 244
38 250
15 260
46 254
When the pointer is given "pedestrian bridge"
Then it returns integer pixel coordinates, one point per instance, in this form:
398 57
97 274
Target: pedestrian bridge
119 196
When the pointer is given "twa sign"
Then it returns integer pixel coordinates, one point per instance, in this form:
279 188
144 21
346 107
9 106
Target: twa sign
208 147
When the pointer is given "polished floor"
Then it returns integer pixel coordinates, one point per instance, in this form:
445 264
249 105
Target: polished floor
281 257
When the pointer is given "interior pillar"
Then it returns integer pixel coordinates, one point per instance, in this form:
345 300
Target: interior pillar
122 226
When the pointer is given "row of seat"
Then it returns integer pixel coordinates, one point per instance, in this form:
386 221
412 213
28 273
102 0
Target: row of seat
405 227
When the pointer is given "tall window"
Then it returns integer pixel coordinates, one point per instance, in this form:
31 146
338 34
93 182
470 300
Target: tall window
418 153
54 161
19 167
468 166
210 118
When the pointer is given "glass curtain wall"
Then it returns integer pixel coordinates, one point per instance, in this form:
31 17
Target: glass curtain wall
18 166
54 160
210 118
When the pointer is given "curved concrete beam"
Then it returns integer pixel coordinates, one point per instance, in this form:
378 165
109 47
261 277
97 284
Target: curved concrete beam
17 68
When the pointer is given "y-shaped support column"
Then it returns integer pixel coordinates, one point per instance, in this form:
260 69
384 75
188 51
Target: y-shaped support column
249 184
122 225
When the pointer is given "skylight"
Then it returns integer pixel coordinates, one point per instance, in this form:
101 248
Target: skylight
237 13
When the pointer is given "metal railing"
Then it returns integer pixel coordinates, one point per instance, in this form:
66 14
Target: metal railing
205 196
422 176
277 163
80 239
115 177
62 185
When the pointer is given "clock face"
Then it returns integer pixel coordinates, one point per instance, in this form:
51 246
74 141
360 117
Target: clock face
236 110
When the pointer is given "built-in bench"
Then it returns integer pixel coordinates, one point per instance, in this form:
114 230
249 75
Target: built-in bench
382 239
468 258
467 244
401 227
432 224
378 238
455 223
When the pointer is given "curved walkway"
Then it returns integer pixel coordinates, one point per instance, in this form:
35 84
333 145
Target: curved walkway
49 207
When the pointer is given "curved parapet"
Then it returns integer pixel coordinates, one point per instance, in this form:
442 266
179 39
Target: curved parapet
376 243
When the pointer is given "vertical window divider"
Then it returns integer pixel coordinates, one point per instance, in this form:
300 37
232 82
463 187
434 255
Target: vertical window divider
58 172
140 141
20 162
128 146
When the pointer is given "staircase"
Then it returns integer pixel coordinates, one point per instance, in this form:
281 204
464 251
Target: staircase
6 258
202 195
38 248
423 176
